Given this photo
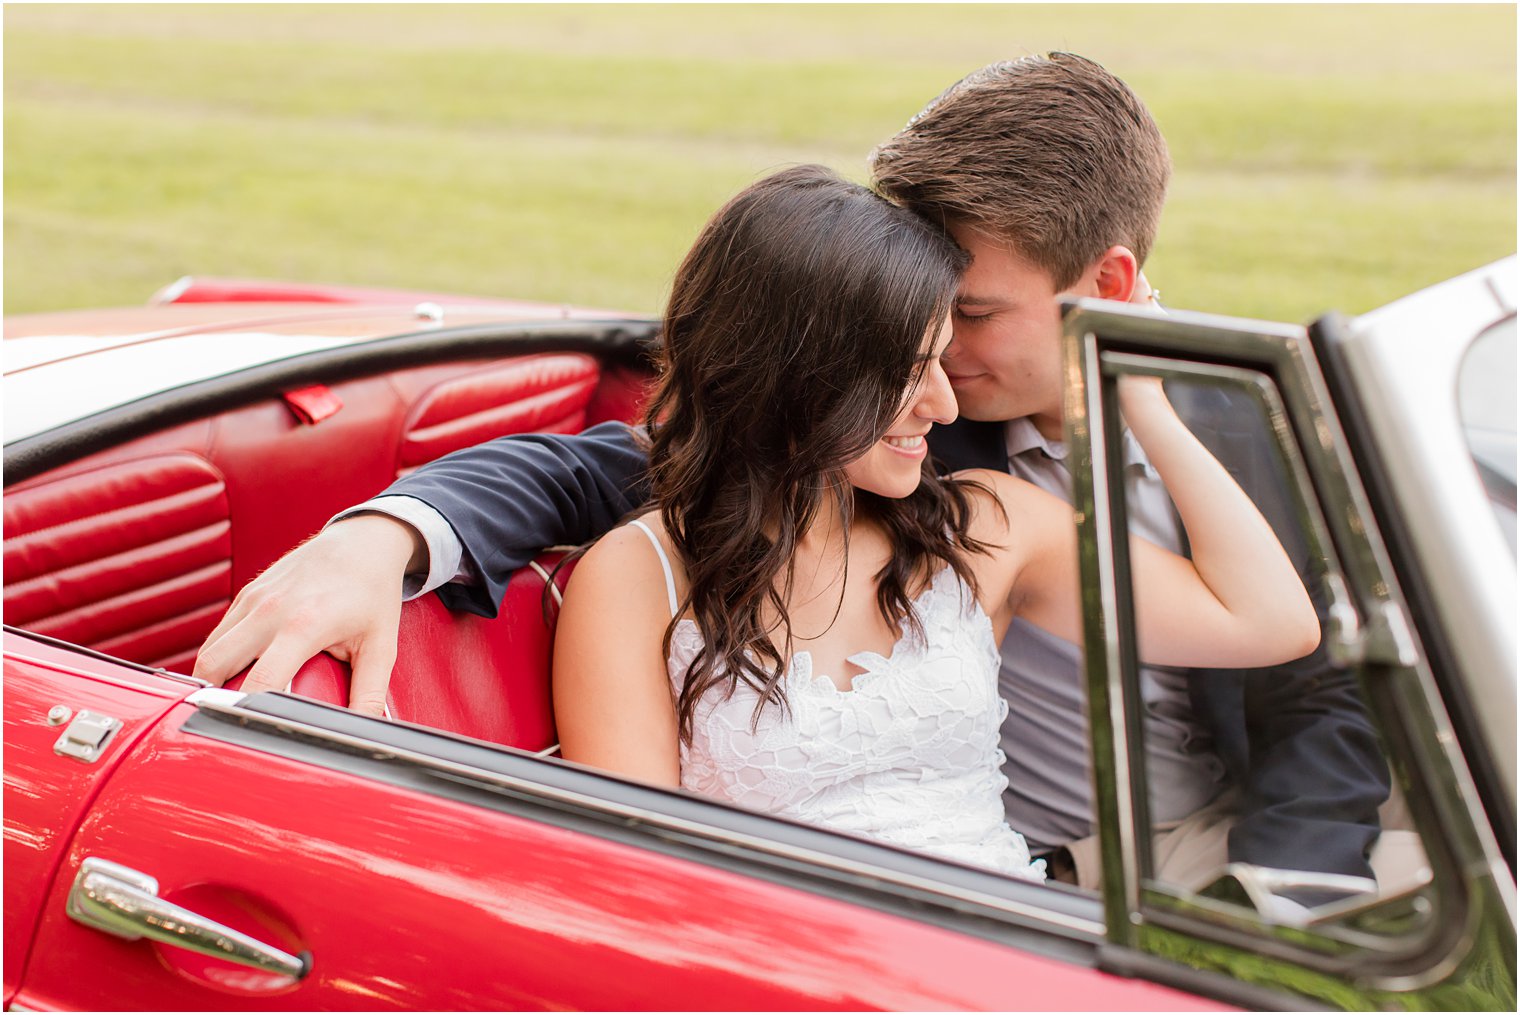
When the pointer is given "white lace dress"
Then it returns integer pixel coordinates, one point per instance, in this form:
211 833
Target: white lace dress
909 755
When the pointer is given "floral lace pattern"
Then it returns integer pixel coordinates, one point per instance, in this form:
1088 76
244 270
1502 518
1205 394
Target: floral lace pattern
909 754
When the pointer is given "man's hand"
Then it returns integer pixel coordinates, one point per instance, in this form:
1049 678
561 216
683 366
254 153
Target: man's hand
339 592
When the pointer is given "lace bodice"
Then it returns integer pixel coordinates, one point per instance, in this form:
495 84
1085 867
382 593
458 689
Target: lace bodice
908 755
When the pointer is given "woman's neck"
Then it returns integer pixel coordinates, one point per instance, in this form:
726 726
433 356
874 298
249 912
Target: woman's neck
825 533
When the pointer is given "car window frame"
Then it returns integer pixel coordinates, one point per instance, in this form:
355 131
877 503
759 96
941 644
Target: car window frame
1370 627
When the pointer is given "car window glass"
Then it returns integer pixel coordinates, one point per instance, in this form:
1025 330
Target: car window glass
1486 405
1269 791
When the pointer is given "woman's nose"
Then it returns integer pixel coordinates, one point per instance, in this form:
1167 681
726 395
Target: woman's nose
937 402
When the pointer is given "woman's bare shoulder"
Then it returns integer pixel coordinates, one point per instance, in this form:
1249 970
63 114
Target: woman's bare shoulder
624 564
995 496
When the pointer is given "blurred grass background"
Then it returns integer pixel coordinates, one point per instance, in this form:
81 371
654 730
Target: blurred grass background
1326 156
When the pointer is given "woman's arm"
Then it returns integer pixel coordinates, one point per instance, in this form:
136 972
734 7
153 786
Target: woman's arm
612 698
1237 602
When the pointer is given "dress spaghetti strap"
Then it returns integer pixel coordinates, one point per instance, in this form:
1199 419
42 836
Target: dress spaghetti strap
670 581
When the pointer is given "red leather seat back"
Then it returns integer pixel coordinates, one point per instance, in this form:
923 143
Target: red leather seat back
534 394
487 679
620 395
133 559
136 550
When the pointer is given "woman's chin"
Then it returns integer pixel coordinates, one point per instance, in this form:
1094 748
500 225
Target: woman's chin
899 490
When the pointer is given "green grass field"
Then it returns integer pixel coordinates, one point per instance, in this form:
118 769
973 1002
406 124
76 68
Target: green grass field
1325 156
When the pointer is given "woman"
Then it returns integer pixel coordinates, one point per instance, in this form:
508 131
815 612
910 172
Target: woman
808 623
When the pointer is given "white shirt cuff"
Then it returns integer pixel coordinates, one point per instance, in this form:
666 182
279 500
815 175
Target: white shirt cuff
444 551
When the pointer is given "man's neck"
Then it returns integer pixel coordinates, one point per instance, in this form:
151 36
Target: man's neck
1050 427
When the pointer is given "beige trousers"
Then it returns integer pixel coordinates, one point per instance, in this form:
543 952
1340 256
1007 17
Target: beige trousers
1188 853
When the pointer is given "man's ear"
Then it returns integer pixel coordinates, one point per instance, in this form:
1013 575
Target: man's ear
1116 273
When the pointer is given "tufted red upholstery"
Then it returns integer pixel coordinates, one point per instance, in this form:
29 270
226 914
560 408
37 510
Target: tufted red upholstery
487 679
545 394
137 550
132 558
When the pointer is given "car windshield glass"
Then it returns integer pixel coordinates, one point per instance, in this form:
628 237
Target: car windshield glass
1486 404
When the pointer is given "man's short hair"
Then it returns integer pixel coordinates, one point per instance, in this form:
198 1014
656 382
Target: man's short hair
1052 154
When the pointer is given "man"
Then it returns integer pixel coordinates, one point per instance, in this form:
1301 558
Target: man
1051 174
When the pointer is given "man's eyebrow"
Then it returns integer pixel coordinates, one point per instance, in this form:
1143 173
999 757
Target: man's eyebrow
978 301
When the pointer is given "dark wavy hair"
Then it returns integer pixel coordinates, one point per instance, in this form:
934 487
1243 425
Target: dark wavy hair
794 329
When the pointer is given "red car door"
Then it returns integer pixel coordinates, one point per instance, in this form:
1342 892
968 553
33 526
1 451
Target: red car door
391 867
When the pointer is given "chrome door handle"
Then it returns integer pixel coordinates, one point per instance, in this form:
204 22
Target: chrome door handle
125 902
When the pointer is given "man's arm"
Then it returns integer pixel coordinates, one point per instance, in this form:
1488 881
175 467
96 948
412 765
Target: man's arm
341 591
1315 773
1300 744
508 499
1296 738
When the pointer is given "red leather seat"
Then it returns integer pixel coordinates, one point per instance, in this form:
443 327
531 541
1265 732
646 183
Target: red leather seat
138 549
130 558
487 679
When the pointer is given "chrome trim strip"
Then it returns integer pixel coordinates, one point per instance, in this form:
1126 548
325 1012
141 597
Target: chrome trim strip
1102 655
90 653
216 696
184 678
73 671
654 818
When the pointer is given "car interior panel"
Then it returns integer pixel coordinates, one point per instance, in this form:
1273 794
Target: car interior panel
132 558
137 550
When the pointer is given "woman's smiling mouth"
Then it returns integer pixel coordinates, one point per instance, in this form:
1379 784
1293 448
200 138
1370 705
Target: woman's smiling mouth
913 446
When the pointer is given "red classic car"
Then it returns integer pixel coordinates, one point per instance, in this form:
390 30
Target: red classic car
170 845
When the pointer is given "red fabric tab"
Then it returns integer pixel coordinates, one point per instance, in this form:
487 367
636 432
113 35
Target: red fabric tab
314 404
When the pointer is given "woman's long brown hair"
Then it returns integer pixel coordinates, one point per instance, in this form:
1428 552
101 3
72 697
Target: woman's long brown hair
794 329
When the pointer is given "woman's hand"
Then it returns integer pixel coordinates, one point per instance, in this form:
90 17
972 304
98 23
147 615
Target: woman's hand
1143 293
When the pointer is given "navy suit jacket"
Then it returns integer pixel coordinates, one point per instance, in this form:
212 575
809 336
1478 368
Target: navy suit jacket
1295 738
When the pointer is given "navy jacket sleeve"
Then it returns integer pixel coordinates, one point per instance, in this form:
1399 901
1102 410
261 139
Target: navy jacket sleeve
1299 743
1297 739
509 498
